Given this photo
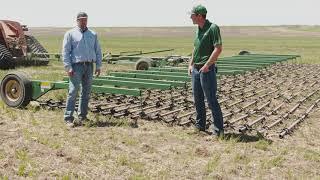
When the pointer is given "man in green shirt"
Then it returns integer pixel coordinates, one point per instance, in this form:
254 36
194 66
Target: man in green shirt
207 48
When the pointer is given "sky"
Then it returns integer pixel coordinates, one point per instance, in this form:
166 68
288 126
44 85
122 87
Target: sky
148 13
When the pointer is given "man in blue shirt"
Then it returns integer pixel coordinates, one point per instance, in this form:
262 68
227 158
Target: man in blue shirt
80 51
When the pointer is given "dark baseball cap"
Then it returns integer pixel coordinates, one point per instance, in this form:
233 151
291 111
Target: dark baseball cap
199 9
82 15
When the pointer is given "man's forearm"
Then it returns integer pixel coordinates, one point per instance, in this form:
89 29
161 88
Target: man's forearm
191 60
67 66
214 56
99 59
98 64
67 61
66 52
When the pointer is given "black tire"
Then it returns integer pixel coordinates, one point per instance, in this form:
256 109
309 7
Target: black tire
6 60
16 90
143 64
244 52
34 46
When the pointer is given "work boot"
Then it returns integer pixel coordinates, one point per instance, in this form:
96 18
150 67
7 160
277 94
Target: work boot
77 123
69 124
81 121
219 135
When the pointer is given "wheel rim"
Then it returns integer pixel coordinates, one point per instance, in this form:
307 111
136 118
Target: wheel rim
13 90
143 66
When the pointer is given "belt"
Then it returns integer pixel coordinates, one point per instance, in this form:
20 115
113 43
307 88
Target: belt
85 62
198 66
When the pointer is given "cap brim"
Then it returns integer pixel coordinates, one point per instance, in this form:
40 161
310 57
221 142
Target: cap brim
82 18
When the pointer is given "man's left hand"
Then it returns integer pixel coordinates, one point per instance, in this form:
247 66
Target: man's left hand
97 73
204 69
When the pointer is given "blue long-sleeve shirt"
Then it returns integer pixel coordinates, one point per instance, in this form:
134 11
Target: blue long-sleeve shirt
81 46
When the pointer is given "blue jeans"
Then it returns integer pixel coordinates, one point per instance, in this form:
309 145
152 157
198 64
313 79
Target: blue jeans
83 74
205 85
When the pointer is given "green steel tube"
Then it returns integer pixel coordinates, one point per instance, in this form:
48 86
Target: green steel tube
40 88
152 76
185 73
131 84
172 83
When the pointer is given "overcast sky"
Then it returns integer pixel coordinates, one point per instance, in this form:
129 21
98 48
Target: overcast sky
111 13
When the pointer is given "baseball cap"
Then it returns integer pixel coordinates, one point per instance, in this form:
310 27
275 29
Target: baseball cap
82 15
199 9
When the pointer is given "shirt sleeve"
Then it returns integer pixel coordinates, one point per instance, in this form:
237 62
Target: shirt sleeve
216 40
66 52
98 53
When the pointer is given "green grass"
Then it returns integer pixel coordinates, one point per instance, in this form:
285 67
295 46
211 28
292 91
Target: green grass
213 163
2 154
115 45
138 177
273 162
4 177
305 28
312 155
25 167
307 47
262 145
124 160
241 158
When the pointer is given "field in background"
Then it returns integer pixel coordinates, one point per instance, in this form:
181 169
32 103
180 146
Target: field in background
35 142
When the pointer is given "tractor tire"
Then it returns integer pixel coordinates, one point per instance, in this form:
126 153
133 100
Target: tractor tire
6 60
34 46
143 64
243 53
16 90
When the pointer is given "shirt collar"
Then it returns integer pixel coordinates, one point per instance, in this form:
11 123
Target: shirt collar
82 31
206 25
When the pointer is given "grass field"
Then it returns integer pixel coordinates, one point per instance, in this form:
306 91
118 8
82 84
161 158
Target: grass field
36 144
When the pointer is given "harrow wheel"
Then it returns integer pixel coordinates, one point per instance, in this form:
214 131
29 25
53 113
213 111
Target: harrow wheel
143 64
16 90
243 53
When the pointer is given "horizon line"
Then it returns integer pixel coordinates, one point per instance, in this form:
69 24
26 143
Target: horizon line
289 25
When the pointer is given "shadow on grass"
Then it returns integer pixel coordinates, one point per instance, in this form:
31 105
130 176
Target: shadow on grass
246 138
232 136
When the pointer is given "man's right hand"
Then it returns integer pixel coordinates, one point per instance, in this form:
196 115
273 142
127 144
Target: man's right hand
190 70
70 73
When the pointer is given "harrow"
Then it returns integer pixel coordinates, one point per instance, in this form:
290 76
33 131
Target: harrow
257 92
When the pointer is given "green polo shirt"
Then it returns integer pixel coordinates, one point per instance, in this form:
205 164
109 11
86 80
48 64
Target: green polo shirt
206 39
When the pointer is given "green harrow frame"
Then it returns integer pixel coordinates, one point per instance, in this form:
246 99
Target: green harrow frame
17 90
